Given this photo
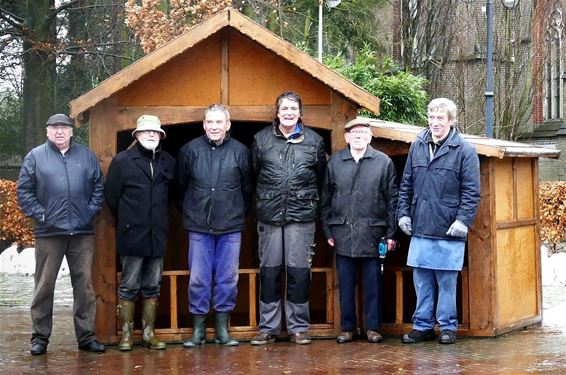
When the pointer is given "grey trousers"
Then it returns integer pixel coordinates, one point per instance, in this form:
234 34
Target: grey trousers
292 247
49 252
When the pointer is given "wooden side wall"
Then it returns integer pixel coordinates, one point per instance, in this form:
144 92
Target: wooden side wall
518 286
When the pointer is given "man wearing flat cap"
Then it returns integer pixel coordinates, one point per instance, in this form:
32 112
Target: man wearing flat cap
359 199
138 193
60 186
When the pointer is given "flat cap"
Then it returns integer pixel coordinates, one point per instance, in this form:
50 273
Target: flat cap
60 119
357 122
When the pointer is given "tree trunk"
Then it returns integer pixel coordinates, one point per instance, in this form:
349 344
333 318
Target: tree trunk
39 71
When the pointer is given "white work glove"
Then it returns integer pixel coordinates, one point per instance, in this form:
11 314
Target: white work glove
457 229
405 225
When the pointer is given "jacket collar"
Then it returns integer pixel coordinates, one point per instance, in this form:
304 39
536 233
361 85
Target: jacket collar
297 136
213 144
347 155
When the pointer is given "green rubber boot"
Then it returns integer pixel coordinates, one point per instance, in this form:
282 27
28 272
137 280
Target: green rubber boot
127 309
222 320
148 320
199 331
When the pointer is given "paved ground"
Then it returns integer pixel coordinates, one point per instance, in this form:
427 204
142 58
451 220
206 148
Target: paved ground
538 350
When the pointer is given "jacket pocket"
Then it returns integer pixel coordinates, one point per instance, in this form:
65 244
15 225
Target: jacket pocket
377 223
340 220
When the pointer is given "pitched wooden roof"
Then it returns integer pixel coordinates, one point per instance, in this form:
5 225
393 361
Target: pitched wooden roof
235 20
484 146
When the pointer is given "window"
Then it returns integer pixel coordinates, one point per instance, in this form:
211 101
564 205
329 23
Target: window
553 80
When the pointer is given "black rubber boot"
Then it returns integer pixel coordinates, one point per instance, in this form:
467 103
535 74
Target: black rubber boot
199 332
222 337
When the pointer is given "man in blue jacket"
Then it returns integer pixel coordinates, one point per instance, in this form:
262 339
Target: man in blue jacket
438 199
215 187
60 187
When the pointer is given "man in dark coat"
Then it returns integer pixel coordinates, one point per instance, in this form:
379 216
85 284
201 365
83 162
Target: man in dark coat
359 199
60 187
215 187
289 163
138 193
438 199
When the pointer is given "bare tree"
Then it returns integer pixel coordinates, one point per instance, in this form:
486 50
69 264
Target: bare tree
60 49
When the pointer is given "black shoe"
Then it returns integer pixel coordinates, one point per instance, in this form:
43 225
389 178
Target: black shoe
38 348
417 336
93 346
447 336
263 338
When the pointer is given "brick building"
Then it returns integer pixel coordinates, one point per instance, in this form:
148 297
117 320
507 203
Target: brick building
445 40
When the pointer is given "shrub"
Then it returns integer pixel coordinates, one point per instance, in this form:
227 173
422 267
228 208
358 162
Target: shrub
552 202
14 226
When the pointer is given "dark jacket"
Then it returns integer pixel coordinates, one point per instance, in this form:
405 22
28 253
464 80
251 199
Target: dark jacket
215 185
359 201
289 175
139 200
62 193
434 193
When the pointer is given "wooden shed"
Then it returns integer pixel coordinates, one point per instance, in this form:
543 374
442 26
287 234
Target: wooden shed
227 59
231 60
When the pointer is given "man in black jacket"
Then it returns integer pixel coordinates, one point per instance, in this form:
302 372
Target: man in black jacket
359 199
137 192
215 186
289 163
60 187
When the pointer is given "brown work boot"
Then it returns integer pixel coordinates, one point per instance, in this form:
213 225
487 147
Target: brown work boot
344 337
263 338
301 338
374 336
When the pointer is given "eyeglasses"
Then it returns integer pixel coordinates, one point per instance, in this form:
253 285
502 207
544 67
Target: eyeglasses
149 132
359 133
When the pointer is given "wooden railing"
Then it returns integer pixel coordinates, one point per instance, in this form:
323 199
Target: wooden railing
325 328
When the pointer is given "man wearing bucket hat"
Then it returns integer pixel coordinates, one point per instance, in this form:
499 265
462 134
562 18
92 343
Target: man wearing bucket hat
359 200
60 187
138 193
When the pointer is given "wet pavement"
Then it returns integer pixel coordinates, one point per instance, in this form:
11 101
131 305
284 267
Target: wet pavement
538 349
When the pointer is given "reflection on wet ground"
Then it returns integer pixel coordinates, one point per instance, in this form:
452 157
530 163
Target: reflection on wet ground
539 349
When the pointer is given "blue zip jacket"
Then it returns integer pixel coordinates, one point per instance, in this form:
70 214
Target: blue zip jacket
62 193
434 193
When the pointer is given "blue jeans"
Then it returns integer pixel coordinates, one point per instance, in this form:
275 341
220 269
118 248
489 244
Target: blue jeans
140 275
347 268
217 255
426 282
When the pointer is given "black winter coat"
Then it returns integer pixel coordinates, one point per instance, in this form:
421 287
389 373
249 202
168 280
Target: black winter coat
62 194
359 202
140 202
434 193
289 175
215 185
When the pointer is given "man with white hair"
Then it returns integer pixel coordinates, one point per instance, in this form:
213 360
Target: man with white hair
215 187
138 192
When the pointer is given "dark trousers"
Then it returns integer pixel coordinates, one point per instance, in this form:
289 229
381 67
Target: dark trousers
49 253
347 268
